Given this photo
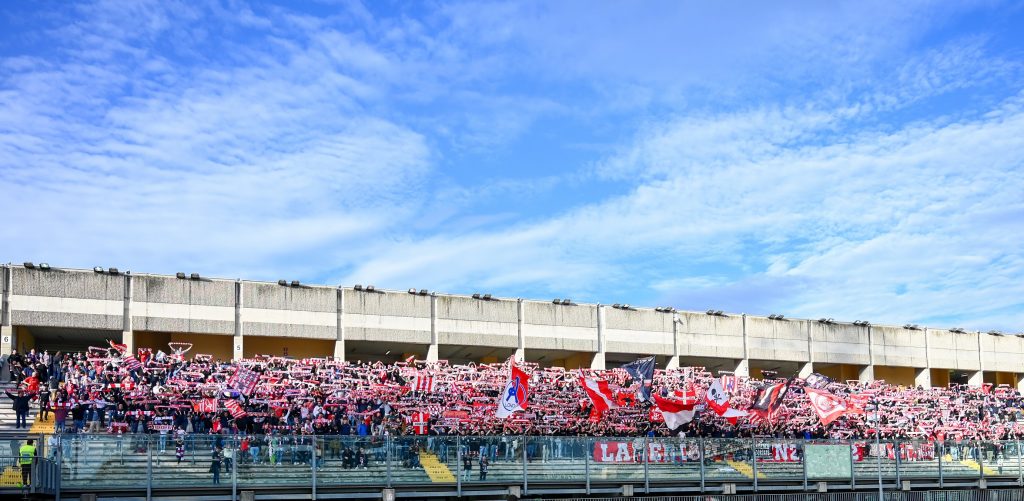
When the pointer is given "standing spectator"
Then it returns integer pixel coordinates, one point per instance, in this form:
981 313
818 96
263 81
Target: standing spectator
26 457
215 464
20 406
483 468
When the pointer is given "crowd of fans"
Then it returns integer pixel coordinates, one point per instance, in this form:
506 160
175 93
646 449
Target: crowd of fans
108 391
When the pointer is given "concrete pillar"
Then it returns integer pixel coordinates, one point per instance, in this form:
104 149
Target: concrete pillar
806 370
432 349
598 361
742 368
520 354
867 374
127 334
339 342
923 377
673 361
237 343
1019 377
977 379
6 332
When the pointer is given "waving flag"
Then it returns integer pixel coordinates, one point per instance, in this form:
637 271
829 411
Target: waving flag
828 406
235 409
130 363
768 400
599 393
729 383
818 381
513 397
675 412
420 422
244 380
716 398
642 371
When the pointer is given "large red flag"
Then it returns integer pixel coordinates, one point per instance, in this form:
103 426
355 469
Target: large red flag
599 393
828 406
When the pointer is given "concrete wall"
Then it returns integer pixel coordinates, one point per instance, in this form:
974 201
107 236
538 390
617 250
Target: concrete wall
953 350
549 326
269 309
638 331
402 318
898 347
75 299
769 339
1002 353
475 322
703 335
839 343
168 304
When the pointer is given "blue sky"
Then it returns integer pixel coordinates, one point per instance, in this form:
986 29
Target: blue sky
855 160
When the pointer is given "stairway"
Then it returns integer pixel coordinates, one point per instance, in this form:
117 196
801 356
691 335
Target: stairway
436 470
7 415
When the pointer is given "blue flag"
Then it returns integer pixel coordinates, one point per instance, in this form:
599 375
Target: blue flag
642 371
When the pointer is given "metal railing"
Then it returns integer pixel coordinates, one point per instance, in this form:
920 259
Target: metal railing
649 464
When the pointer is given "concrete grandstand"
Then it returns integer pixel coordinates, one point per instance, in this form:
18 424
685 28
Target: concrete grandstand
53 308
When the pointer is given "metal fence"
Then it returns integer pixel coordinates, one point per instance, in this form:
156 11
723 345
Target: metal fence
950 495
585 465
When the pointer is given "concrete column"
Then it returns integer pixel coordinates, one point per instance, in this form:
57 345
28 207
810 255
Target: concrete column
237 343
598 360
520 342
977 379
1020 381
742 368
743 365
867 374
432 349
673 361
127 334
6 332
923 377
806 370
339 343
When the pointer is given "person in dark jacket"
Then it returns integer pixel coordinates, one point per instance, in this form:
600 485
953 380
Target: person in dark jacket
20 406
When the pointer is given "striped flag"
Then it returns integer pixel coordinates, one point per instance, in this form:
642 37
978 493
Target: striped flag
235 409
599 393
423 384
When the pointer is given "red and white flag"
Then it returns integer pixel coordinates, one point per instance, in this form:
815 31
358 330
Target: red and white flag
423 384
205 405
420 422
130 363
675 412
688 395
513 397
599 393
729 383
235 409
828 406
716 398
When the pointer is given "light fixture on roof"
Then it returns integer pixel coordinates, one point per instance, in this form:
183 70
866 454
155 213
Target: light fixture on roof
912 327
113 271
370 288
616 306
995 333
358 287
296 283
665 309
476 295
195 276
282 282
776 316
958 330
556 301
861 323
826 320
44 266
412 291
180 274
29 265
566 302
98 269
487 297
424 292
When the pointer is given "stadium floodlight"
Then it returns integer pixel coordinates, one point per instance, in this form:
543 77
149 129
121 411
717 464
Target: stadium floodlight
358 287
556 301
487 297
958 330
719 313
625 307
195 276
476 295
424 292
44 266
861 323
710 312
296 283
180 274
370 288
566 302
113 271
29 265
412 291
994 333
98 269
282 282
822 320
616 306
912 327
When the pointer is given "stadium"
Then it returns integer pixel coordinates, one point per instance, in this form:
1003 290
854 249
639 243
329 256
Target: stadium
302 391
